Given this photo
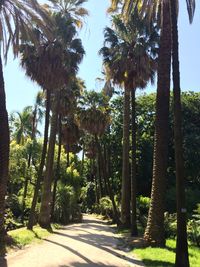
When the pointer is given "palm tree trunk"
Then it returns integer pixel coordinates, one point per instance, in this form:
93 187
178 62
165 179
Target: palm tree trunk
31 220
125 202
57 167
82 162
182 259
107 182
154 233
4 156
134 231
27 178
101 191
45 210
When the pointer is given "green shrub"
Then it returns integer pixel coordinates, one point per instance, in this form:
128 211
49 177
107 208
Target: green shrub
105 206
66 207
12 202
10 221
88 197
194 227
170 225
143 204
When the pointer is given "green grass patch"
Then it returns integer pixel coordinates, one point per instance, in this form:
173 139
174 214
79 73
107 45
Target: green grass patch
165 257
22 237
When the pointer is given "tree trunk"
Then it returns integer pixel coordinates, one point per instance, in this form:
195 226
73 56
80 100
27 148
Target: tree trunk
45 210
125 202
134 231
31 220
82 162
182 259
57 167
4 157
107 182
154 233
101 190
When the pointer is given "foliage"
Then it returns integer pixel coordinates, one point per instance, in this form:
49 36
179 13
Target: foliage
105 207
66 207
88 197
194 227
170 225
10 221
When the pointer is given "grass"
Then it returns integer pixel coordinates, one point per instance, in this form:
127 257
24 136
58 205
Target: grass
165 257
22 237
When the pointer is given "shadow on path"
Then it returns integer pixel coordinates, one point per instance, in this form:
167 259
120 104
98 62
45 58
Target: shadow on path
100 241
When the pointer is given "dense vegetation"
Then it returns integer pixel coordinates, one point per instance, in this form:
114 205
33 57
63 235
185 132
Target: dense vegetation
75 151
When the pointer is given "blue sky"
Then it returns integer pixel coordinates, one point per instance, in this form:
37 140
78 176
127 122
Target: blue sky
21 91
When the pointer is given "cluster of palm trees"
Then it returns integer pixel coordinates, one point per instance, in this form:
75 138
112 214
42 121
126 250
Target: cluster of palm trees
120 57
50 52
143 40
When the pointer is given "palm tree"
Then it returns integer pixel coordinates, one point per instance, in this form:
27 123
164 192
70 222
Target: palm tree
31 220
181 243
94 119
165 48
59 57
130 56
17 18
155 226
73 8
69 52
21 124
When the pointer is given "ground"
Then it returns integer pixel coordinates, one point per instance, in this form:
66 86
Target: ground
91 243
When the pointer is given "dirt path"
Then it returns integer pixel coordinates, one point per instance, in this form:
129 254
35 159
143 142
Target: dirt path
91 244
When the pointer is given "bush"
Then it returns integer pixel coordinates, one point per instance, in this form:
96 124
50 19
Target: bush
194 227
143 204
88 197
10 222
12 202
66 207
170 225
105 206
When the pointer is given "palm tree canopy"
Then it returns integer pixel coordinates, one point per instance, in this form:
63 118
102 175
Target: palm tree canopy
93 113
21 124
16 22
130 51
60 57
147 6
72 7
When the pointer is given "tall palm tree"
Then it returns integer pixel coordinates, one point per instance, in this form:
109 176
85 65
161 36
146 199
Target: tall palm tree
31 220
94 119
37 114
181 243
60 57
165 48
17 18
130 55
69 54
155 226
